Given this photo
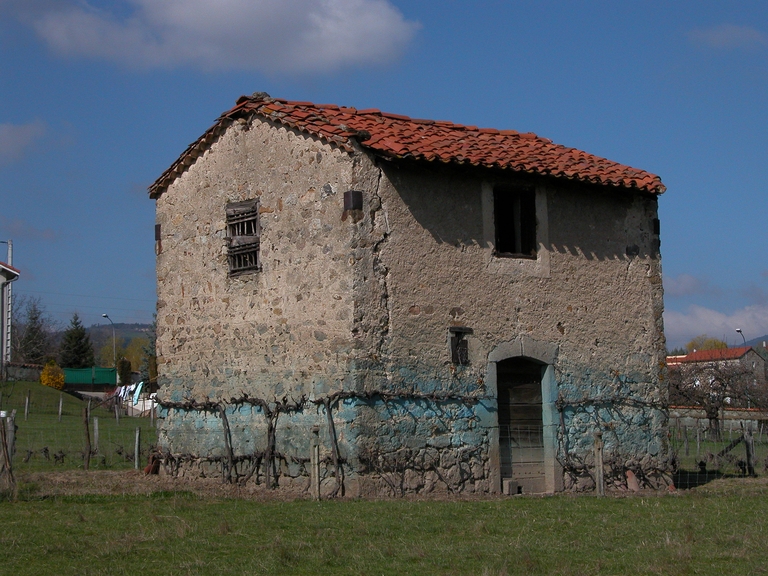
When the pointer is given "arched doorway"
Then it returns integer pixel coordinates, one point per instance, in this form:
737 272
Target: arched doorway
521 425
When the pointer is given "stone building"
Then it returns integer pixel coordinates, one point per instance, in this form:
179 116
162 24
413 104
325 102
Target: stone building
439 307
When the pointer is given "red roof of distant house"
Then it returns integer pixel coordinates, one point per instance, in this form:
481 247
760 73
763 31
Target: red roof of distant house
710 355
9 268
396 136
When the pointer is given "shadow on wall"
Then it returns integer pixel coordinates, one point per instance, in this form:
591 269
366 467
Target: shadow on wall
588 221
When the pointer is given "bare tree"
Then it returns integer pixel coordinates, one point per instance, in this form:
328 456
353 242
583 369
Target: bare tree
716 384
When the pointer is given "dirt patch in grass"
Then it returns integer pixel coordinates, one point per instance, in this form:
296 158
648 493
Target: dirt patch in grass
135 482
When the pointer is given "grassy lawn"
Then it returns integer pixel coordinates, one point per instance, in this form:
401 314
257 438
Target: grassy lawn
714 530
43 430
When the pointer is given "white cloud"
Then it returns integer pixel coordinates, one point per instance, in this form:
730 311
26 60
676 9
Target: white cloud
681 327
728 36
16 139
683 285
265 35
23 230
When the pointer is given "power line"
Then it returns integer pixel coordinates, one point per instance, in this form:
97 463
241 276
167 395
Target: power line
85 295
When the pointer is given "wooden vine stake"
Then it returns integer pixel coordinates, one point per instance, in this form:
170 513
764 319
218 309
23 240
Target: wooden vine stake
6 471
749 442
230 467
136 447
314 462
96 434
599 479
87 458
338 490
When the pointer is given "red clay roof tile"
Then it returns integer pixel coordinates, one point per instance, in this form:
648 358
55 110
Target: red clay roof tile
398 136
710 355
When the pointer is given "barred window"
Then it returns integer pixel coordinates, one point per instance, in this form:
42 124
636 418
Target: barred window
243 234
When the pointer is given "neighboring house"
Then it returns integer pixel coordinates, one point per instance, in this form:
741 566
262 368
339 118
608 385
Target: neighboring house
444 307
742 360
7 275
716 380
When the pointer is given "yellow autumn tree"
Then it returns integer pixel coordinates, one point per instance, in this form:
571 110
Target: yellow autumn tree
52 375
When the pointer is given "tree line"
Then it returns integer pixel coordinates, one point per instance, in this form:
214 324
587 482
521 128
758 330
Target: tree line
37 339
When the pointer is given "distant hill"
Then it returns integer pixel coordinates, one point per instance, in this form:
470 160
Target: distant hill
102 333
121 330
757 341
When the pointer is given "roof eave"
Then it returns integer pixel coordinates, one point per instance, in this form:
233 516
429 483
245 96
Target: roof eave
655 190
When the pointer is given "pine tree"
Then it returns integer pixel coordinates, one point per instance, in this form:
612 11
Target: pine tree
33 332
76 350
124 371
148 366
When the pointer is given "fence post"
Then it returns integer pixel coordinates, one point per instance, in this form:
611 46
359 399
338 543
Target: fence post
137 445
152 413
7 466
599 478
698 439
117 412
685 439
10 427
89 407
26 406
96 434
61 403
749 442
87 459
314 462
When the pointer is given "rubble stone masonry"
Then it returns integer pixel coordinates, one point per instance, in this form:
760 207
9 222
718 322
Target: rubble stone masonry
346 326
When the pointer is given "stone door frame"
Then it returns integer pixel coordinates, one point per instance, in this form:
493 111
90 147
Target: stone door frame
526 347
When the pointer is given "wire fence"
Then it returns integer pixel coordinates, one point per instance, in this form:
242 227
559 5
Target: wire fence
50 430
50 435
704 451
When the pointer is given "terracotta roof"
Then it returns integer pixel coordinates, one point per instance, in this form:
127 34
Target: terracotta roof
14 273
710 355
396 136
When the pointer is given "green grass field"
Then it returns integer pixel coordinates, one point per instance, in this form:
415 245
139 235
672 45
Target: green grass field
715 530
42 430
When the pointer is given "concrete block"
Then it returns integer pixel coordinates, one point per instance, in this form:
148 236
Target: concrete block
509 487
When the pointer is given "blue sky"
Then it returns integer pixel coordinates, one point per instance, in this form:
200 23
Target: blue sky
98 97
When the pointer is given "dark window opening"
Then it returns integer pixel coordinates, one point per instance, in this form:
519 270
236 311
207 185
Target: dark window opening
459 345
514 219
243 236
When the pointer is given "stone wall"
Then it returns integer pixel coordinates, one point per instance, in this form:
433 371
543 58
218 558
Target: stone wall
286 330
347 325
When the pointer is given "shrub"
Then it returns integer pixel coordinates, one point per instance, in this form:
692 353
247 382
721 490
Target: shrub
52 375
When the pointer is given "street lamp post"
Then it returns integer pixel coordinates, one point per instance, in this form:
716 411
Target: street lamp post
114 348
742 335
